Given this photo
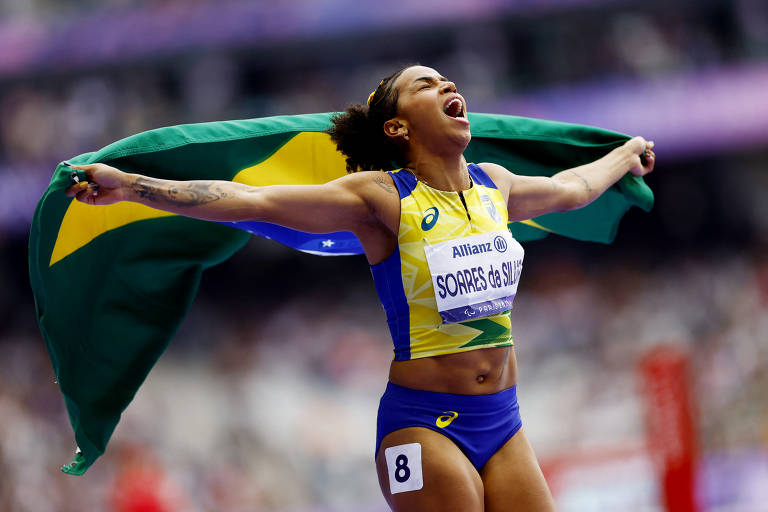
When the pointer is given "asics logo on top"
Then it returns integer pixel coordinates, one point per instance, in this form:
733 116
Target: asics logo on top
444 421
430 218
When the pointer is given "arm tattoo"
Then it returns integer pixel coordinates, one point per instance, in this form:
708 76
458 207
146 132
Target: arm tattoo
382 182
586 183
194 193
144 188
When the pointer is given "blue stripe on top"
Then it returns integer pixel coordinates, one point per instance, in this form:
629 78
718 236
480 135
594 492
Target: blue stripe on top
389 285
388 278
405 182
480 177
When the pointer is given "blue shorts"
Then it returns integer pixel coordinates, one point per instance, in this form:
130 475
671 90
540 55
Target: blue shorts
478 424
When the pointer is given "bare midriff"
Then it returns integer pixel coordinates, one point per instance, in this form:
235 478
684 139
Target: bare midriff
477 372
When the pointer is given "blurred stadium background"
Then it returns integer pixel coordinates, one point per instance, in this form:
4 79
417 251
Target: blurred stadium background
642 364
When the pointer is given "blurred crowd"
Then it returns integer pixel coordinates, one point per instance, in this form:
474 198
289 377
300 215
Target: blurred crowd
253 410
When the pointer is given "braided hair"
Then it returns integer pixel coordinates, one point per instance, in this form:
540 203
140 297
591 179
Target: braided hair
359 131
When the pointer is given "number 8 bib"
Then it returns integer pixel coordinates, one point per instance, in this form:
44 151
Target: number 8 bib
404 467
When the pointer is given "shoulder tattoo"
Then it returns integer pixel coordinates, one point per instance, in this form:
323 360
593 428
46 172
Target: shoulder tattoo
383 182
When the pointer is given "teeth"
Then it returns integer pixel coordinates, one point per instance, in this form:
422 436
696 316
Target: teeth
451 104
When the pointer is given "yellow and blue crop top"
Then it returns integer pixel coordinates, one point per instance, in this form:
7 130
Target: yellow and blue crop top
449 244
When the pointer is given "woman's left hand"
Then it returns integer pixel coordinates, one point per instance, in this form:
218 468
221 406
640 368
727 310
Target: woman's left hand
639 146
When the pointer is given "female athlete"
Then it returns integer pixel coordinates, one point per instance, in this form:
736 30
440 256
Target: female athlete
445 267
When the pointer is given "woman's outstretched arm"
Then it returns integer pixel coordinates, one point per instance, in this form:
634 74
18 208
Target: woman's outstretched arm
339 205
529 197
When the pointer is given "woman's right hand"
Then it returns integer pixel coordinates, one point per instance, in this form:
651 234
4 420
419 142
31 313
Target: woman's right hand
103 185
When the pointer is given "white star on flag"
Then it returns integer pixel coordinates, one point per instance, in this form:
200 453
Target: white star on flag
328 243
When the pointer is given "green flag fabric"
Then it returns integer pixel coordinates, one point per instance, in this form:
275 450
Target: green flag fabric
113 283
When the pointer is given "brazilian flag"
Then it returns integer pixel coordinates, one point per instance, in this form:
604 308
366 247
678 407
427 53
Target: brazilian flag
113 283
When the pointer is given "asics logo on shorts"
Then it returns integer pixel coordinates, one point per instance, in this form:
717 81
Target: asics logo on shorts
444 421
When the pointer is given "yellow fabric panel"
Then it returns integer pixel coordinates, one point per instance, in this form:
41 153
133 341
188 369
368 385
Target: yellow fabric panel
82 223
535 225
308 158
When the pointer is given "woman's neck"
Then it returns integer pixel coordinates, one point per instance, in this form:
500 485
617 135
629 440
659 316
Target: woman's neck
443 173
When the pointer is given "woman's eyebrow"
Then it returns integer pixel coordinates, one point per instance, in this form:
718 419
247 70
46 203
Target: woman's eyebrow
430 79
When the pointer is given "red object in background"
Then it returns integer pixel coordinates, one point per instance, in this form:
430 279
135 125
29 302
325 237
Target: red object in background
670 429
138 491
140 483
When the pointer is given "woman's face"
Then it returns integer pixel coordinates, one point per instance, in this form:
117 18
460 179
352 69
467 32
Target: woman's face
431 112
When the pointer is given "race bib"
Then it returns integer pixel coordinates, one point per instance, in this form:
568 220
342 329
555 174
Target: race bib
475 276
404 467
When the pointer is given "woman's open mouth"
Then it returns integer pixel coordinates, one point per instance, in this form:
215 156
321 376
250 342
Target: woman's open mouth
454 108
